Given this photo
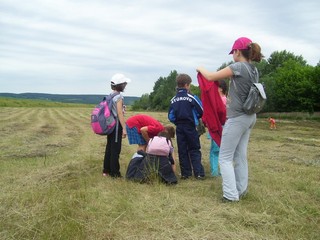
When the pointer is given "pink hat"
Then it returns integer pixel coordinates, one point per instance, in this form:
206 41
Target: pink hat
241 43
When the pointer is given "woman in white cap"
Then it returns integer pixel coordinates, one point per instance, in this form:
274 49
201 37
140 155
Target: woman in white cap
236 132
111 164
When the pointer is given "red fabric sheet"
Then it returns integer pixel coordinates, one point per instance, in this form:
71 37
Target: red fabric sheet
214 111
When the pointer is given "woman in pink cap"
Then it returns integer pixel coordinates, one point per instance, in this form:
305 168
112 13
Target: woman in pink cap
236 132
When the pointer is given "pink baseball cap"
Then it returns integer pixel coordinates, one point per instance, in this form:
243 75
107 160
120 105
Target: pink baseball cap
241 43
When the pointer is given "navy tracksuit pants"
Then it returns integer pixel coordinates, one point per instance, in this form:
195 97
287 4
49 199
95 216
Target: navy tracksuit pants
189 150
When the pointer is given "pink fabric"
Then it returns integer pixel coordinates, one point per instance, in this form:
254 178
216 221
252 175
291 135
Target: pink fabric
224 100
214 111
159 146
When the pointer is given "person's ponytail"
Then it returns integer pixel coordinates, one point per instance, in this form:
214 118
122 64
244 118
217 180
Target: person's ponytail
255 52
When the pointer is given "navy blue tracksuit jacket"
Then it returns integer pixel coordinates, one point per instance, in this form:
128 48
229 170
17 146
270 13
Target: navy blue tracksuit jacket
183 109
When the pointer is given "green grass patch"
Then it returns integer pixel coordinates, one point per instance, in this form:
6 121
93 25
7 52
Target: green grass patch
52 186
18 102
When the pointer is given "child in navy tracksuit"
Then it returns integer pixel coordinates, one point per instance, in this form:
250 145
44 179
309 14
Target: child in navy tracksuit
181 113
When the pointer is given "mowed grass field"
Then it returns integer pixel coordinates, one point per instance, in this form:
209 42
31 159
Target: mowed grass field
52 187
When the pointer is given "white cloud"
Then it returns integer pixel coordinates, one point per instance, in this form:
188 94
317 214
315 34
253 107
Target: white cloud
69 46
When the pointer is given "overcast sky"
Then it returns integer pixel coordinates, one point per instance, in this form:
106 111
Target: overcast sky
75 46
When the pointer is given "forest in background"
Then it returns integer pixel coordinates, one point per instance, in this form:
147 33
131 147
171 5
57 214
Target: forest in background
64 98
291 86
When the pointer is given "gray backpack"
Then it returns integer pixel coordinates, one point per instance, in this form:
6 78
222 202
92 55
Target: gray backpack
256 97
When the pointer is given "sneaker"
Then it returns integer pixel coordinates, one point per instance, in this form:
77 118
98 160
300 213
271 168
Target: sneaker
200 177
116 175
226 200
216 175
184 177
242 195
105 174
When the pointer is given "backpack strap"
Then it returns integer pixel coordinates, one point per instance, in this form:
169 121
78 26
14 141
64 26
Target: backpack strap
117 128
256 74
112 95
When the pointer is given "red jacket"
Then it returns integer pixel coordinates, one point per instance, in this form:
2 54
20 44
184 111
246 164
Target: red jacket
214 111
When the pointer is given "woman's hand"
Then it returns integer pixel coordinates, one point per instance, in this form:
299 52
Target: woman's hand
124 133
199 69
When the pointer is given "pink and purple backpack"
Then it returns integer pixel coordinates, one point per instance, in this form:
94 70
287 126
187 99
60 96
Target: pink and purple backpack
103 120
159 146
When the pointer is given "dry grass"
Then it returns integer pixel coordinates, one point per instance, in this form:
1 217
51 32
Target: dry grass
52 188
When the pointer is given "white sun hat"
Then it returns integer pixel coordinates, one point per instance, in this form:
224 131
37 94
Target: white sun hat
119 78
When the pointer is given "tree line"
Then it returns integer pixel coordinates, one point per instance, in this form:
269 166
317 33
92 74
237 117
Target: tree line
291 86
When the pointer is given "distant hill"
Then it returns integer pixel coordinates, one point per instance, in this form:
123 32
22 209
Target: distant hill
65 98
